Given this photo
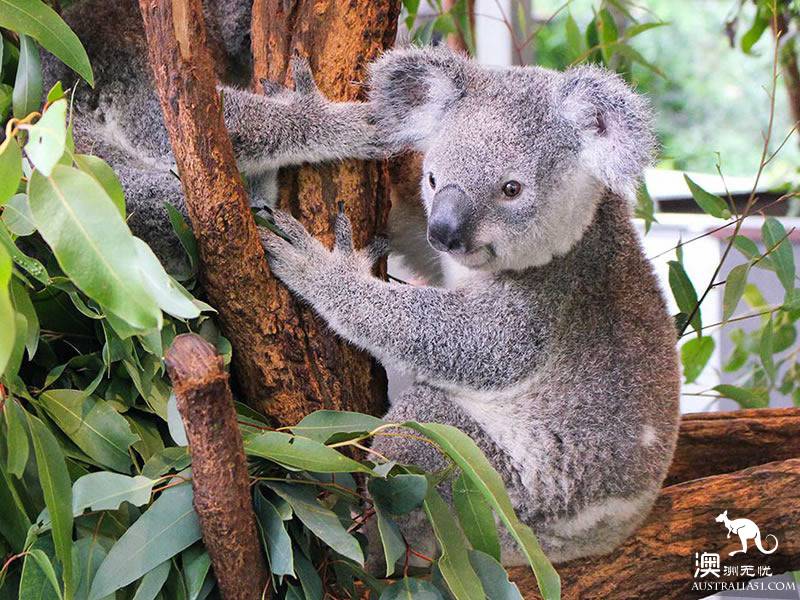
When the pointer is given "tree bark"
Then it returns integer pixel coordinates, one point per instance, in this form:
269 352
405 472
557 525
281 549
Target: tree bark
310 367
789 66
658 562
723 442
234 270
219 467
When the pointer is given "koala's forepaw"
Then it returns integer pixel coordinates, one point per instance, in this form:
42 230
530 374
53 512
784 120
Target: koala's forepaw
359 260
295 257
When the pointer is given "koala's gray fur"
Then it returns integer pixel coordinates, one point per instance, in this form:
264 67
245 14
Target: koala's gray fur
121 119
550 345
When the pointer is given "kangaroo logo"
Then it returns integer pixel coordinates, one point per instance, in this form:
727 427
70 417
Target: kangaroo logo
746 530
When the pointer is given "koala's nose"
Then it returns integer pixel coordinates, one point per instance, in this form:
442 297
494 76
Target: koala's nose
448 222
446 236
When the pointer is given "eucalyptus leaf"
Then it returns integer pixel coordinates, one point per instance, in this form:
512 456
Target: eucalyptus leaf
308 576
684 293
782 253
24 306
322 522
411 589
454 562
105 176
57 491
394 547
301 453
196 565
153 581
710 203
94 426
168 459
169 526
476 517
92 243
17 216
10 169
695 355
34 18
321 425
276 538
8 334
463 451
175 422
27 93
399 494
170 295
17 446
87 555
47 138
494 578
745 397
38 575
735 283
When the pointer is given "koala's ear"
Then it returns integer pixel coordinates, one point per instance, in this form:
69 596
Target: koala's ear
615 123
410 91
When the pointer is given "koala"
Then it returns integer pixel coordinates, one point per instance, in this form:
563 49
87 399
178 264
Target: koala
548 341
121 120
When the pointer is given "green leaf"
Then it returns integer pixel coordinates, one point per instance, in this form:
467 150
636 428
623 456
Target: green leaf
92 243
710 203
463 451
105 176
782 254
15 524
684 293
56 92
168 459
494 578
321 425
608 33
47 138
394 547
24 306
38 574
8 334
27 93
300 453
750 250
640 28
411 589
18 448
476 517
170 295
695 355
10 169
196 564
645 208
36 19
275 536
107 491
308 576
454 560
322 522
94 426
766 350
735 283
153 581
400 494
87 556
6 93
752 35
574 37
746 397
169 526
57 491
184 233
33 267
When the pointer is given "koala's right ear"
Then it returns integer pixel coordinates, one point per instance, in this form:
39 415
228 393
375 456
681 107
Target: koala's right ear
410 91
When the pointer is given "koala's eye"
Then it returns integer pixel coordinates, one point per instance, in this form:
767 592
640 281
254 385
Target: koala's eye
512 188
432 181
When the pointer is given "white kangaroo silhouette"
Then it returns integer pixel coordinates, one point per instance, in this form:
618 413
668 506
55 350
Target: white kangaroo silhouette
746 530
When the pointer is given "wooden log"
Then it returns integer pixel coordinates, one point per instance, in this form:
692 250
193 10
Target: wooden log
233 269
723 442
658 561
220 480
310 367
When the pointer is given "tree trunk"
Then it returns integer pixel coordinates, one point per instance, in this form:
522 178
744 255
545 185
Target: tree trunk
310 367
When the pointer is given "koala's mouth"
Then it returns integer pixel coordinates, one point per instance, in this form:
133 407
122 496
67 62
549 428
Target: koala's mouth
478 257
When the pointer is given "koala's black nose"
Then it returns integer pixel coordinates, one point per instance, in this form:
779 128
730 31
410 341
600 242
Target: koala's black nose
448 222
446 236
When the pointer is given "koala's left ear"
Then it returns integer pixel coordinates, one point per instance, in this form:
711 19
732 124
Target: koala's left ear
615 123
411 89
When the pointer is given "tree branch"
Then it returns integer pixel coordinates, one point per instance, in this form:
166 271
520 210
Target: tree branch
219 468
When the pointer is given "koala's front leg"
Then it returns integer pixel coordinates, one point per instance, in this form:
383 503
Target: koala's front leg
448 336
286 127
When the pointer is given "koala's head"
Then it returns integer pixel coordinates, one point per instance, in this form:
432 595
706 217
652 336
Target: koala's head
516 159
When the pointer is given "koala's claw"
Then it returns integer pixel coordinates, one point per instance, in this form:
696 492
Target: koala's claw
304 83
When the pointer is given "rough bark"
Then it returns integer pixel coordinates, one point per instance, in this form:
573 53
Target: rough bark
219 467
310 367
658 562
234 270
716 443
789 66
